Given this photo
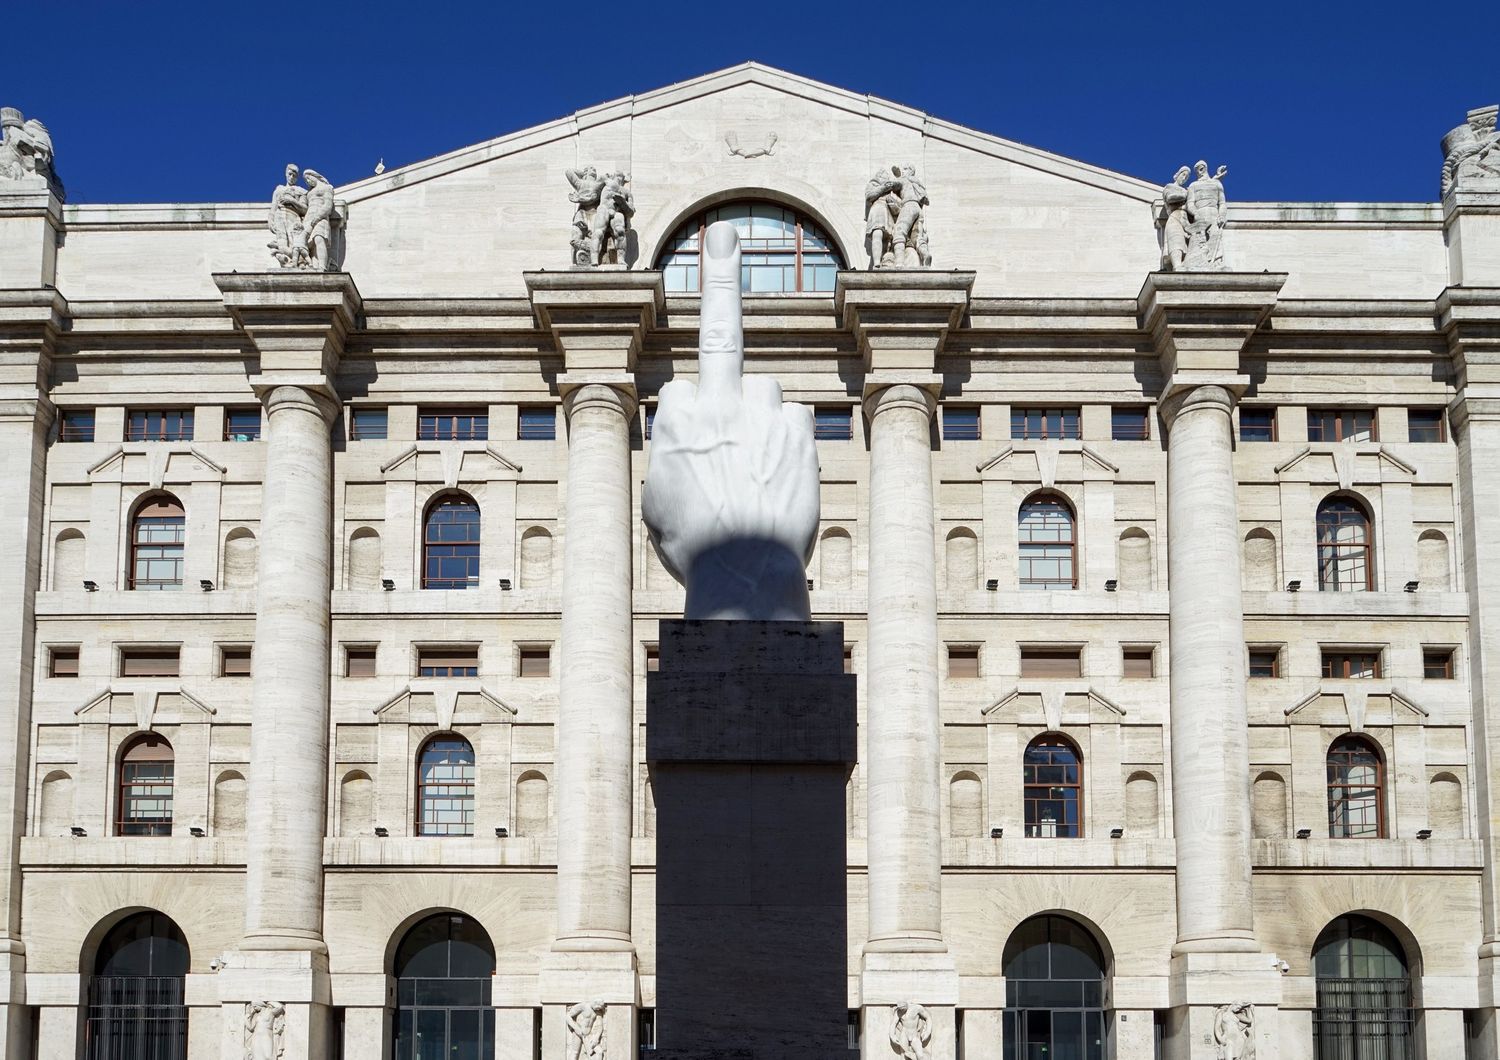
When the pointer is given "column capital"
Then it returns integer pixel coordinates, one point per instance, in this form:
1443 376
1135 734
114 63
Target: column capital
881 397
597 317
30 322
1200 323
1471 232
1469 319
617 396
901 319
298 322
310 399
1192 397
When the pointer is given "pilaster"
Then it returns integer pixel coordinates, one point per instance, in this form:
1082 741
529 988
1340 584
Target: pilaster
31 223
1471 232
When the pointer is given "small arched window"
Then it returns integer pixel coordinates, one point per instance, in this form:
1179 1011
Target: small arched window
1052 779
445 786
1356 789
780 250
450 544
1346 557
158 534
1364 1009
144 806
1048 543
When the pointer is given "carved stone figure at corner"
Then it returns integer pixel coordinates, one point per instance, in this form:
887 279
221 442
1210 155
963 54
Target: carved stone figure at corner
586 1031
25 149
601 222
265 1030
895 219
1234 1031
1471 152
911 1030
302 222
1173 222
1204 214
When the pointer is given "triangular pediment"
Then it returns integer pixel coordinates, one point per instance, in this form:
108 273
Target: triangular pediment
152 701
1053 704
444 702
1355 704
1046 462
450 463
1347 463
155 463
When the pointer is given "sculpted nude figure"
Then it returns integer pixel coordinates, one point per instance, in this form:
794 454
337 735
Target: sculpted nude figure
586 1031
318 222
911 1030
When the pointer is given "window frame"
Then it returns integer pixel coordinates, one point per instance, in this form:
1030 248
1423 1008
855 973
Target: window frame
1449 665
533 649
140 652
1342 431
134 785
165 502
1343 745
681 244
232 435
1127 650
963 651
958 430
1333 554
356 434
445 425
68 430
180 429
1129 436
1441 425
1073 651
60 652
1023 558
841 431
431 547
1251 652
429 826
1344 659
1274 424
536 434
1030 783
447 658
352 651
236 651
1044 412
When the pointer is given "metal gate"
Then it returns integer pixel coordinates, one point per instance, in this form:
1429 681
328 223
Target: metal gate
1364 1019
136 1018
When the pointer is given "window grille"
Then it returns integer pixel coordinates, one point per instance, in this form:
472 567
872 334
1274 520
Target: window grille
453 425
539 423
159 425
1041 423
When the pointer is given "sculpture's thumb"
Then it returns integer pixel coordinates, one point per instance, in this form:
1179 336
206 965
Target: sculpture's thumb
721 340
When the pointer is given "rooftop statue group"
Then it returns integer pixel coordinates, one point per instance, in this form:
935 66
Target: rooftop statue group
1191 221
1471 153
302 222
895 220
601 221
25 149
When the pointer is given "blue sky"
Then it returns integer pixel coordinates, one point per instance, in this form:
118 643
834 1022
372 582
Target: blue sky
157 102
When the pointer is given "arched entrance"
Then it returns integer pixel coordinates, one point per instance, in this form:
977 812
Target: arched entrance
1054 992
1364 993
136 1009
445 968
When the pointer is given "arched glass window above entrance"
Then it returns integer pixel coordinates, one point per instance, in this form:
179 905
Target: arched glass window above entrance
781 250
445 968
136 993
1054 991
1364 993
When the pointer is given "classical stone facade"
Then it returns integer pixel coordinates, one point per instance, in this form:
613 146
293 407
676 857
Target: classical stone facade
1172 595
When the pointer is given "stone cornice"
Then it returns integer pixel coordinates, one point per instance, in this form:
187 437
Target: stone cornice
1469 318
901 318
598 318
297 321
30 321
1200 322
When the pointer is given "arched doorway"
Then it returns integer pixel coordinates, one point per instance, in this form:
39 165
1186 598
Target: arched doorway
1054 992
445 968
1364 993
136 1009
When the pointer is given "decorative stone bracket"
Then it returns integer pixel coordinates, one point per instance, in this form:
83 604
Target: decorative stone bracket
146 697
1053 694
444 693
1200 323
1356 695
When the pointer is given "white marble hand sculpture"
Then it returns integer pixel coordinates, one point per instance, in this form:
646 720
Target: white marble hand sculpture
731 495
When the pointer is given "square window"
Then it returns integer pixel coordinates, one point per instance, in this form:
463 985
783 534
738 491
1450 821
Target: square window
653 659
1139 662
1341 425
538 423
368 425
960 423
234 660
1437 664
1038 424
534 662
1129 424
77 425
359 661
150 662
242 425
1425 425
1265 662
453 425
833 423
159 425
1051 662
62 662
1257 423
1351 665
448 662
963 661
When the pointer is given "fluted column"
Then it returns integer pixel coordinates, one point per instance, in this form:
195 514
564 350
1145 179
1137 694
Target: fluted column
903 729
595 682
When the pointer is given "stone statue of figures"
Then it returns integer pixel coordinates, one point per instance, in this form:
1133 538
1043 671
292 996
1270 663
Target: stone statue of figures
911 1030
1206 214
319 220
731 496
1234 1031
895 223
586 1031
1471 152
265 1030
601 220
1173 222
302 220
586 189
882 203
25 149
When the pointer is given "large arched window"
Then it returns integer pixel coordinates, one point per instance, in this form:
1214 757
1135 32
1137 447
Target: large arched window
780 250
1346 556
1054 991
144 803
445 786
450 544
158 533
445 969
1052 778
1356 789
1364 993
136 993
1049 546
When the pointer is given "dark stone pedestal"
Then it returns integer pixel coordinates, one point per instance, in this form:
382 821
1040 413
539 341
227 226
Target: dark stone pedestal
750 737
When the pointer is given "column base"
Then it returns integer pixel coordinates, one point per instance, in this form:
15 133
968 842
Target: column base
1205 987
928 978
569 977
297 980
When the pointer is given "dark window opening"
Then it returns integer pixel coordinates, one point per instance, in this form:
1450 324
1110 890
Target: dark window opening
450 545
960 423
1425 425
1129 424
159 425
445 786
537 423
242 425
453 425
1356 790
1038 424
447 662
144 803
368 425
1341 425
780 251
77 425
1257 424
833 423
1052 788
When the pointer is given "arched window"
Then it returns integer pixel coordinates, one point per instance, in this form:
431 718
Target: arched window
157 535
445 786
1054 991
1345 553
1049 548
144 805
1052 778
136 993
780 250
445 969
450 544
1356 789
1364 993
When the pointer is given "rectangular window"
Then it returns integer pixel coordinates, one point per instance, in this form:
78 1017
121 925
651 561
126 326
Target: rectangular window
963 661
1437 664
848 658
242 425
1425 425
1051 662
1265 662
534 662
1341 425
160 425
234 660
653 659
960 423
150 662
62 662
1257 423
77 426
1139 662
1037 424
833 423
448 662
453 425
538 423
368 425
1129 424
1351 664
359 661
650 422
